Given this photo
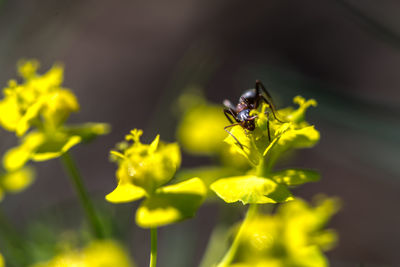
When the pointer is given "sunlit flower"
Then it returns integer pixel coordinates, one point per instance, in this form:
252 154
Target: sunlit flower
143 171
36 110
105 253
293 237
39 101
293 133
2 262
262 184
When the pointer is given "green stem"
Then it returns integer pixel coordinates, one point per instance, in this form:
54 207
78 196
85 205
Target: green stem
83 195
153 252
15 245
263 169
230 255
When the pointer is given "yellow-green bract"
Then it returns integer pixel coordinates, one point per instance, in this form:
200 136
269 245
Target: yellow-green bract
143 171
262 184
95 254
36 111
294 236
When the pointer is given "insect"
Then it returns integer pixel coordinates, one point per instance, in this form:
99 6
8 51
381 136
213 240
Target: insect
248 101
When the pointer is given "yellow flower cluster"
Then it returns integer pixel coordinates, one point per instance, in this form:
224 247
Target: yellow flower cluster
39 101
294 133
16 181
261 184
35 110
143 171
293 237
201 131
105 253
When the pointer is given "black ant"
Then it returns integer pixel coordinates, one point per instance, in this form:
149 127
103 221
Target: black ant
248 101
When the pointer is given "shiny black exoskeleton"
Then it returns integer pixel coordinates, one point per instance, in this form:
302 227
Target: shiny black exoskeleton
248 101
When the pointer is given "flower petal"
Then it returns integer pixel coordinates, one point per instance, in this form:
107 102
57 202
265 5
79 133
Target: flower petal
18 180
250 189
125 192
171 204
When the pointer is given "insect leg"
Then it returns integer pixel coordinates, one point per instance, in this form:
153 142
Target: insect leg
226 127
267 99
229 112
269 132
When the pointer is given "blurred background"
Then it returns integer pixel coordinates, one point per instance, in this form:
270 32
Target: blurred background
128 61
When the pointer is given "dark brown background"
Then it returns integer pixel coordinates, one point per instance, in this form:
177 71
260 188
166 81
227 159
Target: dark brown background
128 60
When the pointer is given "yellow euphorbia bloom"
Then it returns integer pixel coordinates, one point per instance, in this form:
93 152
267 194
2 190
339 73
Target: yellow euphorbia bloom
2 263
36 110
143 171
39 101
104 253
201 130
16 181
293 237
147 166
294 133
261 184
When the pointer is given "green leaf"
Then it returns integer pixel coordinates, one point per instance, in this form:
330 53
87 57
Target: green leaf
125 192
171 204
250 189
295 176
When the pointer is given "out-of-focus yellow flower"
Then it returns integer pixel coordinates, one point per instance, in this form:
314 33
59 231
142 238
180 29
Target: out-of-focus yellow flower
293 237
201 130
16 181
38 101
2 262
43 145
147 166
143 170
105 253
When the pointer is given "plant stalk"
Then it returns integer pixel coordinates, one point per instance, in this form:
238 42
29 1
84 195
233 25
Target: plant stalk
230 255
76 180
153 252
13 242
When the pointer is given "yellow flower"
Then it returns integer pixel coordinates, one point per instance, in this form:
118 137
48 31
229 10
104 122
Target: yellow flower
147 166
2 262
16 181
294 236
261 184
295 132
143 170
201 130
39 101
105 253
